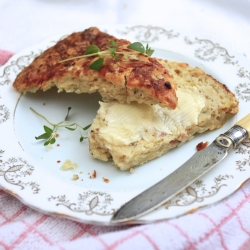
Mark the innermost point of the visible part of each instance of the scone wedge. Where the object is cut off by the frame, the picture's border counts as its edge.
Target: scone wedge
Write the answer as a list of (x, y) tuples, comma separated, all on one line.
[(130, 77), (131, 135)]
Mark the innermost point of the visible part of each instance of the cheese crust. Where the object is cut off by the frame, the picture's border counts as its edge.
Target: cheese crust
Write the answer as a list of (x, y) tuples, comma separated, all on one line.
[(133, 77)]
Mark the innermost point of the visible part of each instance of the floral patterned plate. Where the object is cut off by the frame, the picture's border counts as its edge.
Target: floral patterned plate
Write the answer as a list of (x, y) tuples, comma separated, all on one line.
[(31, 171)]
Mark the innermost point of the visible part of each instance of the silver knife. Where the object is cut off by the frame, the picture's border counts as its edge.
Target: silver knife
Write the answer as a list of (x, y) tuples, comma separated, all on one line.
[(199, 164)]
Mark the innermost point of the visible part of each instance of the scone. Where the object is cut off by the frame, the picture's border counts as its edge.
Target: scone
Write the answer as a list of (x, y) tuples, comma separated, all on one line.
[(133, 134), (133, 77)]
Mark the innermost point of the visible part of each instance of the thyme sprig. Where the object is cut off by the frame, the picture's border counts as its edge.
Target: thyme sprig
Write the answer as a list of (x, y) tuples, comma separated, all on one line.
[(93, 50), (51, 133)]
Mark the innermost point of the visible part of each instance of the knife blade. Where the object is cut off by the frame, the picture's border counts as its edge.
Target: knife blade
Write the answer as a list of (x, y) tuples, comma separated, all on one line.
[(199, 164)]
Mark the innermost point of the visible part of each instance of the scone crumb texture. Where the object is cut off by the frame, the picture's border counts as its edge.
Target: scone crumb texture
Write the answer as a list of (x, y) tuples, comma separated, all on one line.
[(202, 145), (105, 179), (68, 165), (93, 176), (75, 177)]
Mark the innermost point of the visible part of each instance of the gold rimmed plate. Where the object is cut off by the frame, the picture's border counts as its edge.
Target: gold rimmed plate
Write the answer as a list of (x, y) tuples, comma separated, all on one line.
[(32, 172)]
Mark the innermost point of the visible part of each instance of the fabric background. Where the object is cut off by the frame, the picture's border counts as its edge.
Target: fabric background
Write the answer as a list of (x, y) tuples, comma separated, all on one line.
[(224, 225)]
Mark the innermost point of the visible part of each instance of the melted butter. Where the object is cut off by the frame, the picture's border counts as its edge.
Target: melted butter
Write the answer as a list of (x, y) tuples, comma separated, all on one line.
[(127, 123)]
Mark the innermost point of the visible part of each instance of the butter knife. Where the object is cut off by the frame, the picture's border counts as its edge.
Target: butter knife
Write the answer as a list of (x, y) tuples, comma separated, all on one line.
[(199, 164)]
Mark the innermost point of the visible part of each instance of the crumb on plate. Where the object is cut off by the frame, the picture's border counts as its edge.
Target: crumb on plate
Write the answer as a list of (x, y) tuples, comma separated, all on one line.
[(105, 179), (68, 165), (93, 176), (75, 177), (201, 145)]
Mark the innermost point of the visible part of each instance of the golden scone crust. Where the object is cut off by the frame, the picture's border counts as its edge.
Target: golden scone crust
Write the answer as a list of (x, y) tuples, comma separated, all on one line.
[(133, 77)]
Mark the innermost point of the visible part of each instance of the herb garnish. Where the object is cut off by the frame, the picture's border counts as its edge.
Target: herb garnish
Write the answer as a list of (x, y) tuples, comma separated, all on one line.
[(50, 133), (139, 47), (97, 64), (93, 50)]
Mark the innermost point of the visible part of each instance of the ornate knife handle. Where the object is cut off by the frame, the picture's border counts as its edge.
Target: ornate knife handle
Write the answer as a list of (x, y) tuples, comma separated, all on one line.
[(235, 135)]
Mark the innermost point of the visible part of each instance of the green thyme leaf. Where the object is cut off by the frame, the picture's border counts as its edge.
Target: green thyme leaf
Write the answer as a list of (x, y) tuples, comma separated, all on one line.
[(113, 43), (97, 64), (87, 127), (92, 49), (48, 130), (66, 117), (52, 141), (149, 51), (72, 129), (50, 134), (113, 49), (82, 138), (46, 143), (43, 136), (137, 46)]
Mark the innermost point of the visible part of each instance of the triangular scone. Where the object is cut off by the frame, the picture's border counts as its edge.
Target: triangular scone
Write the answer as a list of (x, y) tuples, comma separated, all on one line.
[(133, 134), (133, 77)]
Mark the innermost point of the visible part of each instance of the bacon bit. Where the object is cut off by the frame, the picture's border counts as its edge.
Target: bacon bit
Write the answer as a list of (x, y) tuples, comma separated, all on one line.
[(57, 145), (75, 177), (105, 179), (93, 176), (58, 161), (57, 135), (201, 145)]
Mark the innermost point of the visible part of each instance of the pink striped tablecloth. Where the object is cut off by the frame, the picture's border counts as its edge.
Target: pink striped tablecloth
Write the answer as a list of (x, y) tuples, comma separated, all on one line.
[(224, 225)]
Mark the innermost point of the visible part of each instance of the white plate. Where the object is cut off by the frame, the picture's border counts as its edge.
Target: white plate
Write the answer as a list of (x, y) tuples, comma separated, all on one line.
[(32, 173)]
